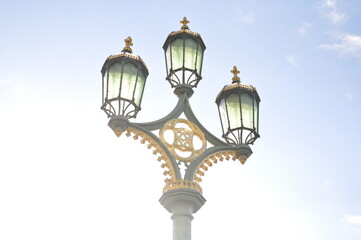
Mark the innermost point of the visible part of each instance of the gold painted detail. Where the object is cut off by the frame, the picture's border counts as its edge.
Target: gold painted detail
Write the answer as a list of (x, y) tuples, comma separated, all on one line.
[(235, 72), (179, 136), (157, 150), (182, 184), (213, 159), (185, 31), (128, 43), (185, 22), (124, 54), (236, 85)]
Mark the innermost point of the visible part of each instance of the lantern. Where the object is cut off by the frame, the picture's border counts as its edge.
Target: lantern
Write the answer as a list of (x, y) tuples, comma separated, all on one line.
[(184, 51), (238, 106), (124, 77)]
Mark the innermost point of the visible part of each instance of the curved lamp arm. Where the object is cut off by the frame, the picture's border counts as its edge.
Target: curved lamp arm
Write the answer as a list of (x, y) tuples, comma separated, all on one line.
[(176, 112), (212, 155), (158, 145), (209, 136), (195, 169)]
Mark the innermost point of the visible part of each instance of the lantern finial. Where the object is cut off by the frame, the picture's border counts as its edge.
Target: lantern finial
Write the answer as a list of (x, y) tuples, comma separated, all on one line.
[(185, 22), (128, 43), (235, 78)]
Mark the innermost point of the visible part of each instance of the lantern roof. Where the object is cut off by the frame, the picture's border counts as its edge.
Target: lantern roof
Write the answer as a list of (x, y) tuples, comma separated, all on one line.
[(126, 53), (236, 85), (184, 31)]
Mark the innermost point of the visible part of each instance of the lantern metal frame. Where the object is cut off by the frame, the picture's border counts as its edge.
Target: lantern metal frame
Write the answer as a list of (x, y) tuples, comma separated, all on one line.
[(124, 105), (194, 75), (237, 135)]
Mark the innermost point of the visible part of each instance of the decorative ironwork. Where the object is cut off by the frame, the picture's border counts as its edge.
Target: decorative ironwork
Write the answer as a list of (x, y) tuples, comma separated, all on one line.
[(157, 150), (137, 58), (235, 86), (213, 159), (128, 43), (186, 31), (184, 133), (235, 72), (181, 144), (185, 22), (182, 184)]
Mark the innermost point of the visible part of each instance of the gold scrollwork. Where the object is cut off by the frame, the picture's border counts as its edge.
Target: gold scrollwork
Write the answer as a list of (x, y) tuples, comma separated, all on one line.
[(213, 159), (181, 144)]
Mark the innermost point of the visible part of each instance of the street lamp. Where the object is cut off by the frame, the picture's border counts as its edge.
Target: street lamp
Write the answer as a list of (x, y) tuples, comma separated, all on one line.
[(175, 141)]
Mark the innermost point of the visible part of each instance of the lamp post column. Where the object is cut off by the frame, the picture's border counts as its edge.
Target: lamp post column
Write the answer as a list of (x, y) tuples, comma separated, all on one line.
[(182, 203)]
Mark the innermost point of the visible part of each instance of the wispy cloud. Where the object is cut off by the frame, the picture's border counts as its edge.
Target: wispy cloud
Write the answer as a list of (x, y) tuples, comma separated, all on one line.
[(248, 17), (332, 12), (291, 59), (329, 3), (336, 16), (354, 221), (348, 45), (303, 28)]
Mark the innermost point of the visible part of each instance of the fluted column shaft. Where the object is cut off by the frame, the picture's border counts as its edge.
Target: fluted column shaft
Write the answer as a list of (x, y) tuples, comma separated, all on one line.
[(182, 203)]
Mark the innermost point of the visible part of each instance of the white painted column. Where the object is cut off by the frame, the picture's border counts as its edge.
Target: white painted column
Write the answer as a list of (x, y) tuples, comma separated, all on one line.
[(182, 203)]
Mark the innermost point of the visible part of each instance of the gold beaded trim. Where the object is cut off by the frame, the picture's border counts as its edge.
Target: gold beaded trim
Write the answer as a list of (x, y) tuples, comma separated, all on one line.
[(182, 184), (157, 150), (127, 55), (213, 159)]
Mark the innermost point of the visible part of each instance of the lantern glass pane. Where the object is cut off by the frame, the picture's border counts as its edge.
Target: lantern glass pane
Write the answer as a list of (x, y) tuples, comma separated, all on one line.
[(247, 110), (168, 58), (223, 115), (190, 53), (128, 81), (177, 53), (139, 88), (114, 80), (233, 110), (256, 116), (199, 59), (105, 83)]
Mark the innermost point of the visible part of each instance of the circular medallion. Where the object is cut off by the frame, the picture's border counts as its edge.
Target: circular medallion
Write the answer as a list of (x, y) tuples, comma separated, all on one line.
[(183, 139)]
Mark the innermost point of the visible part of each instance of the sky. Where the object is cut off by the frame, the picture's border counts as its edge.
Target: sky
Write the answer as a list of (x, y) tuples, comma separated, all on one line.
[(65, 175)]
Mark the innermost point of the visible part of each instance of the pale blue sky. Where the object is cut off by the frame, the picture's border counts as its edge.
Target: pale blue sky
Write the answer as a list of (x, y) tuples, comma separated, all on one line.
[(64, 175)]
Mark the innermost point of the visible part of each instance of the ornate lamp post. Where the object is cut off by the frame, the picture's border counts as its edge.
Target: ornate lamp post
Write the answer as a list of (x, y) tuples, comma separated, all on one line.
[(180, 141)]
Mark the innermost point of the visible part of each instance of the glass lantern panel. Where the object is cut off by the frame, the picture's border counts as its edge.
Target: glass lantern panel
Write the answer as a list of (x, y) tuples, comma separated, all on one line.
[(168, 58), (177, 53), (199, 59), (139, 88), (234, 111), (105, 84), (190, 53), (247, 110), (128, 81), (256, 116), (114, 80), (223, 115)]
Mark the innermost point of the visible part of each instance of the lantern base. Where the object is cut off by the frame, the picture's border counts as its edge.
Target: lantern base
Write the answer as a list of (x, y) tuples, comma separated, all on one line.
[(118, 124), (180, 89)]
